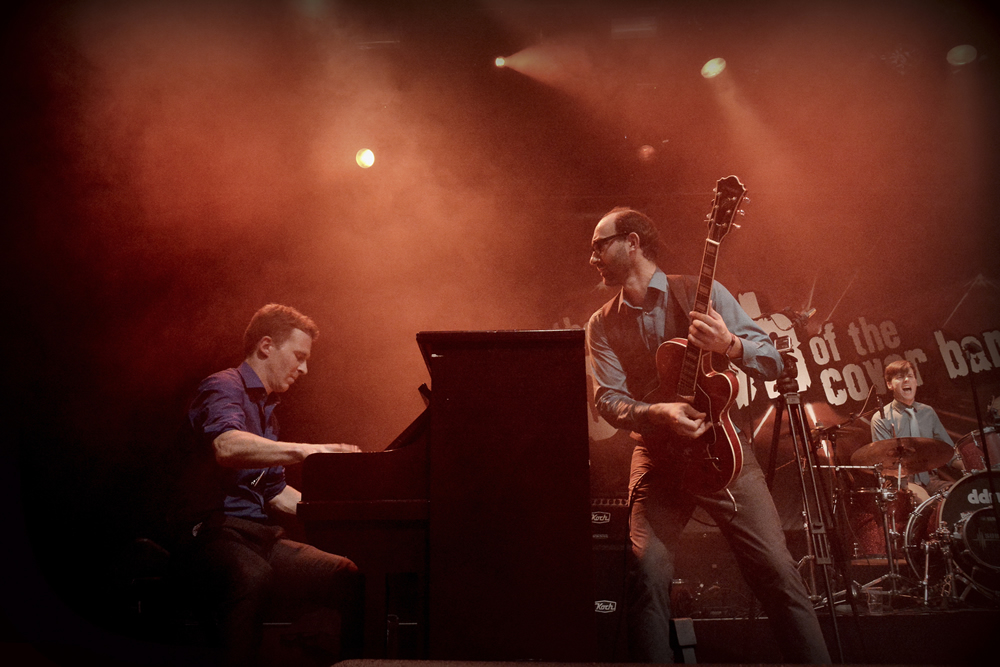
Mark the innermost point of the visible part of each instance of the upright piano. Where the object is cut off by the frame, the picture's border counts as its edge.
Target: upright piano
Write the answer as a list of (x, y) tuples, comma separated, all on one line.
[(473, 526)]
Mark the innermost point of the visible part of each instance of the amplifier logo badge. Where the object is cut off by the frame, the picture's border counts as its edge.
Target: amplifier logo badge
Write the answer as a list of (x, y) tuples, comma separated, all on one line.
[(605, 606), (600, 517)]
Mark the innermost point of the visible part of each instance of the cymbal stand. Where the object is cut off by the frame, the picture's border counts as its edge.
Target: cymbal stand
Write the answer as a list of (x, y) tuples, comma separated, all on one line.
[(791, 401), (882, 499), (935, 541)]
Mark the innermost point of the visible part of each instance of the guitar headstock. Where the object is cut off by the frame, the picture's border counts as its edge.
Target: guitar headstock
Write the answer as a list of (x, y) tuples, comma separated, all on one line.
[(729, 194)]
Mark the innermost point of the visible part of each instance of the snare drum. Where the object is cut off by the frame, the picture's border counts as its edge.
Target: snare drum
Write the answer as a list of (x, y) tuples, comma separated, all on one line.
[(962, 519), (970, 448)]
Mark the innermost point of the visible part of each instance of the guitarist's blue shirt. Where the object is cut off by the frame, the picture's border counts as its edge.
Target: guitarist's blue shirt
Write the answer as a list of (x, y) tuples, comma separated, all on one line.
[(622, 339)]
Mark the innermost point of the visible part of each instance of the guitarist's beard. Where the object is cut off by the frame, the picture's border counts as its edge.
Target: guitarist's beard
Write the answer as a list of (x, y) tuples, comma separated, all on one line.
[(610, 278)]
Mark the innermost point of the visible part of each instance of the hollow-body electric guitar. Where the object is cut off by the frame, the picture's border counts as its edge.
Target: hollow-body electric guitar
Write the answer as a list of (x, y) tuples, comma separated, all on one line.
[(686, 374)]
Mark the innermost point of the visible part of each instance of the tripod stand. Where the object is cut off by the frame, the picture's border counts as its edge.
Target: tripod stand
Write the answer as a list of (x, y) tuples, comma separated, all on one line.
[(819, 537)]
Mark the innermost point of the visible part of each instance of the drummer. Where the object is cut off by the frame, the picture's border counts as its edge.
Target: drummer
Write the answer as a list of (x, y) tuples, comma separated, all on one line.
[(905, 418)]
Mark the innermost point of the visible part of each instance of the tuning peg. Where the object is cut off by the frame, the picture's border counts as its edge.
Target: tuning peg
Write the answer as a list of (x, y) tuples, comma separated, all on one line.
[(746, 200), (741, 212), (736, 226)]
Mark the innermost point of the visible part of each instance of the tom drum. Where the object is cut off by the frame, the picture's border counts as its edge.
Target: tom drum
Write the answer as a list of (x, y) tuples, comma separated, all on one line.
[(970, 448)]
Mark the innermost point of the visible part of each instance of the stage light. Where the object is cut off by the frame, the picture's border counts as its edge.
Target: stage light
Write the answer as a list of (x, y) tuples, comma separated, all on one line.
[(501, 61), (365, 158), (962, 55), (713, 68)]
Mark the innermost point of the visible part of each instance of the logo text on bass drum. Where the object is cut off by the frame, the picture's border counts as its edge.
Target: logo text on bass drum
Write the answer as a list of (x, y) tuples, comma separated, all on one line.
[(980, 497)]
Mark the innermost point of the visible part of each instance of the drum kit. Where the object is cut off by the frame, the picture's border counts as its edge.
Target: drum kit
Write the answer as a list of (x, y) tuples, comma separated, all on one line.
[(940, 550)]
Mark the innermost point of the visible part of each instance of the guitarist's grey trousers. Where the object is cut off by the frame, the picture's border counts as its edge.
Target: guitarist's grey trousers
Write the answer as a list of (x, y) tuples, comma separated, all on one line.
[(660, 510)]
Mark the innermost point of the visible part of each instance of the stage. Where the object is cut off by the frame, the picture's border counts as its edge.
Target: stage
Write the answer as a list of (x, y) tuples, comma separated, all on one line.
[(906, 637), (729, 625)]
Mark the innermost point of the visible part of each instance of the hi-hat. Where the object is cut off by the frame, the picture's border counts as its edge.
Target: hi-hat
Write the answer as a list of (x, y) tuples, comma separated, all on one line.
[(915, 455)]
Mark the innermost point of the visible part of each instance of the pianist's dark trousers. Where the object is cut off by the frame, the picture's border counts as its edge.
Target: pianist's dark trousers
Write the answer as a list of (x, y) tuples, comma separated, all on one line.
[(240, 572)]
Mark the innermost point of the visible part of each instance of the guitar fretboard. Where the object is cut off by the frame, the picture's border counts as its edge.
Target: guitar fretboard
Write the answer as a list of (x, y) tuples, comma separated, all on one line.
[(688, 380)]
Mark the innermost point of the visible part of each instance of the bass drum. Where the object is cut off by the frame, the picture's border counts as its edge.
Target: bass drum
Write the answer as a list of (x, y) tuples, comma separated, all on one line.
[(962, 520)]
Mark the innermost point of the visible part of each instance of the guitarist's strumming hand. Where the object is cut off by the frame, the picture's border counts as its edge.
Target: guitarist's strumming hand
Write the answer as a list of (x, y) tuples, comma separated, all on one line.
[(709, 332), (682, 418)]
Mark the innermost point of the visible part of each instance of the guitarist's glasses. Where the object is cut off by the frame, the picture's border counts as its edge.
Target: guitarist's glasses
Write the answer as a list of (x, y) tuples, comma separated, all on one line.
[(600, 245)]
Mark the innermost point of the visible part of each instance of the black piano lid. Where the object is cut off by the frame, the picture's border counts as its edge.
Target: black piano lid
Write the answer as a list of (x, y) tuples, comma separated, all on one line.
[(433, 343)]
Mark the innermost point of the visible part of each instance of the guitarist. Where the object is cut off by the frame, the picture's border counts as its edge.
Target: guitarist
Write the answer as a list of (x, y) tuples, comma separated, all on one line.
[(622, 339)]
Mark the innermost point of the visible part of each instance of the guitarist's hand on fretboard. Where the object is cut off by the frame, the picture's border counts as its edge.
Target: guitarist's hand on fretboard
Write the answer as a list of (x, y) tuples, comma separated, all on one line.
[(709, 332), (682, 418)]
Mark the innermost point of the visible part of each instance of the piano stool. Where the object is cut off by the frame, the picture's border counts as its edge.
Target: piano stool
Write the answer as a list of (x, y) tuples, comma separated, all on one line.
[(156, 614)]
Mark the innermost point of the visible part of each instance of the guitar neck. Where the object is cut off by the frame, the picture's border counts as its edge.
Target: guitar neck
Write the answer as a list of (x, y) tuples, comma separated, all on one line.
[(729, 192), (688, 379)]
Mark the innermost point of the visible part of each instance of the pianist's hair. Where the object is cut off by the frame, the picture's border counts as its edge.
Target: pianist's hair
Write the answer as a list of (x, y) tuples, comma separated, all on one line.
[(630, 221), (278, 322)]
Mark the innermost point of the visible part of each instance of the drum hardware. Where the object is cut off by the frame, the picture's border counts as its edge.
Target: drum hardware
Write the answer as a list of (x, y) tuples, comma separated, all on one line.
[(951, 543), (884, 500), (970, 347), (897, 458), (936, 542)]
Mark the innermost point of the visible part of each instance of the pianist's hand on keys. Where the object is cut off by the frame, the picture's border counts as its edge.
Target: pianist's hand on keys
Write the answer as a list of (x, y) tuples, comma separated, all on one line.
[(336, 448)]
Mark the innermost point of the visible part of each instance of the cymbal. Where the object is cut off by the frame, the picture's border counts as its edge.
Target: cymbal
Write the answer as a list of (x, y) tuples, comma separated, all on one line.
[(915, 455)]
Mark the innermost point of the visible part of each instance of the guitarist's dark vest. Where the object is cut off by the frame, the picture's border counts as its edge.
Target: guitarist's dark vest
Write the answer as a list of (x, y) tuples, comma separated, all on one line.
[(639, 362)]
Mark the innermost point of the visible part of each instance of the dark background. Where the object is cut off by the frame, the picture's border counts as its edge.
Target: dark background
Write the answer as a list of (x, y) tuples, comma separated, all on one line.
[(169, 167)]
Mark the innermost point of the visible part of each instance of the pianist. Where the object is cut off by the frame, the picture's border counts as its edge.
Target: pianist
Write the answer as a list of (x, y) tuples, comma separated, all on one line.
[(238, 561)]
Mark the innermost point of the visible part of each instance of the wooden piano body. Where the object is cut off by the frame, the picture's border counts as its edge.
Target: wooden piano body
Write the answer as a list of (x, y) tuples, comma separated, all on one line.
[(473, 527)]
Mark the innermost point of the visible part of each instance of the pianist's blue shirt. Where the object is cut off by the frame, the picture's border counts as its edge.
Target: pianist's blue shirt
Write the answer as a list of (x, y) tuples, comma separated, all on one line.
[(236, 399)]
